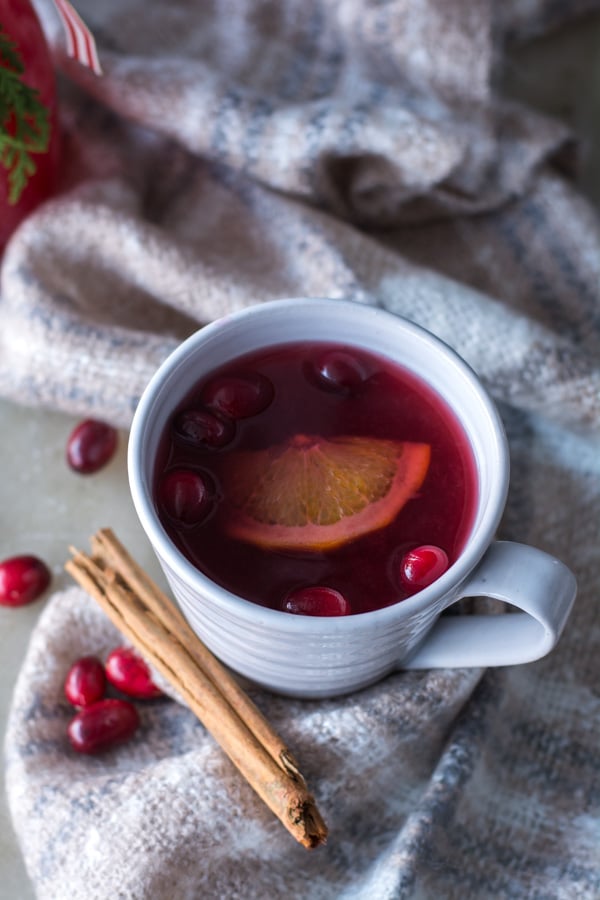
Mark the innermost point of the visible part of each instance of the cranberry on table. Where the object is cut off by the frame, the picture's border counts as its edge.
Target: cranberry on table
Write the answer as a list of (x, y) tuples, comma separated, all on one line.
[(103, 725), (200, 427), (185, 496), (238, 396), (316, 601), (423, 565), (22, 580), (85, 682), (91, 445), (129, 673)]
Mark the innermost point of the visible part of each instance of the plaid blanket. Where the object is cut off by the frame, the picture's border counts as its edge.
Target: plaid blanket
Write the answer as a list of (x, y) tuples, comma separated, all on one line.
[(242, 151)]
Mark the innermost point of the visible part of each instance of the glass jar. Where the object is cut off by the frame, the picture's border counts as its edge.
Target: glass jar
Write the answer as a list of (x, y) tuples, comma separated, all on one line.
[(29, 132)]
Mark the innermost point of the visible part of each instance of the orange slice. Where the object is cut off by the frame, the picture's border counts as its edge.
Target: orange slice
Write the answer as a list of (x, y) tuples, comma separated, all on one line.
[(313, 493)]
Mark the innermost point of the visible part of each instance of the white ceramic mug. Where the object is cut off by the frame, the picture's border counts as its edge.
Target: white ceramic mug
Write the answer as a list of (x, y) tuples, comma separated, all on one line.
[(324, 656)]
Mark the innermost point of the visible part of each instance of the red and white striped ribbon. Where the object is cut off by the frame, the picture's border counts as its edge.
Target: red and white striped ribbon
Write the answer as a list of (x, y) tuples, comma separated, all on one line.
[(80, 40)]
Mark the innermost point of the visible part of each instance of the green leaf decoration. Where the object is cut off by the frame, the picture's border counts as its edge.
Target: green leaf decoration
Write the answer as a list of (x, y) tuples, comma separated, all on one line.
[(25, 121)]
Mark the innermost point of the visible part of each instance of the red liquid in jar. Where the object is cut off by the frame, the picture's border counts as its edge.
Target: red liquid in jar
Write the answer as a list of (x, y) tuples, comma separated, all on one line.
[(29, 64), (314, 388)]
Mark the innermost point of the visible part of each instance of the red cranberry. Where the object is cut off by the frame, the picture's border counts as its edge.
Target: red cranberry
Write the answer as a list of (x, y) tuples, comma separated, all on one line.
[(238, 396), (423, 565), (185, 496), (90, 446), (129, 673), (22, 580), (338, 371), (316, 601), (85, 682), (102, 725), (203, 428)]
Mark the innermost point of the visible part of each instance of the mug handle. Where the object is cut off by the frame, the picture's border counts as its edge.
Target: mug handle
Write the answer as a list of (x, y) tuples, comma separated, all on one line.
[(539, 585)]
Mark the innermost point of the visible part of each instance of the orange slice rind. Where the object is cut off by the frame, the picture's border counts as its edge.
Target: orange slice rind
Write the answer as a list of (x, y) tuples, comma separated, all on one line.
[(314, 493)]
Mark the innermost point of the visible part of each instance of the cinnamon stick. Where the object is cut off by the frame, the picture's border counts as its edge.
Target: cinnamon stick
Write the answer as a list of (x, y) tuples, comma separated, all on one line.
[(151, 622), (105, 546)]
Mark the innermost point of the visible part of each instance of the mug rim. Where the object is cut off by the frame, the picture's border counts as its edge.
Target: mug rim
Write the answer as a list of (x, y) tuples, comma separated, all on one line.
[(446, 585)]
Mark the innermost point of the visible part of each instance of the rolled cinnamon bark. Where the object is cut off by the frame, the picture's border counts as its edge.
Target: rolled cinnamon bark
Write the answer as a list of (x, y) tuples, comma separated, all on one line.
[(149, 620)]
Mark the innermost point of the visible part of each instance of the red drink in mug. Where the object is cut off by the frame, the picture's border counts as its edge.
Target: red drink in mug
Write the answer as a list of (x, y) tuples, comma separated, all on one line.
[(320, 481), (316, 478)]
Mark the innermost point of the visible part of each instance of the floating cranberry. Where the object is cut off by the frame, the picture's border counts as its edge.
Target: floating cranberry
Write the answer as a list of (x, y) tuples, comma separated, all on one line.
[(129, 673), (423, 565), (238, 396), (22, 580), (102, 725), (85, 682), (91, 446), (338, 371), (200, 427), (316, 601), (185, 496)]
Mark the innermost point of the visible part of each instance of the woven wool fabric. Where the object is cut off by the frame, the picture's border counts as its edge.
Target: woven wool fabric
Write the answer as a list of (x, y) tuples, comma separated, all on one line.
[(238, 152)]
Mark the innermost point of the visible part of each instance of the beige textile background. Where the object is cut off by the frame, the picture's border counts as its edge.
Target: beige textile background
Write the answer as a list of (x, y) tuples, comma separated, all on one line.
[(237, 152)]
